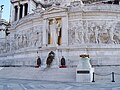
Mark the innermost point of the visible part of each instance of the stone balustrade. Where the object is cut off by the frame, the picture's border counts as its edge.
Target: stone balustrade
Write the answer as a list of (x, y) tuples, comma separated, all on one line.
[(102, 7), (96, 7)]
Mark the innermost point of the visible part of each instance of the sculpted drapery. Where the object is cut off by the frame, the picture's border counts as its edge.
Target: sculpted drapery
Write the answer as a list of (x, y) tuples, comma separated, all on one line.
[(54, 30)]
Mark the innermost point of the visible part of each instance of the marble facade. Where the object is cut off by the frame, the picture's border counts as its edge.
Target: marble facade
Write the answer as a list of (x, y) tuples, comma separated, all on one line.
[(85, 28)]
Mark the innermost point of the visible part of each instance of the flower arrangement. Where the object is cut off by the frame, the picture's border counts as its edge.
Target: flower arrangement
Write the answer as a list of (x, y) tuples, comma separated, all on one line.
[(84, 55)]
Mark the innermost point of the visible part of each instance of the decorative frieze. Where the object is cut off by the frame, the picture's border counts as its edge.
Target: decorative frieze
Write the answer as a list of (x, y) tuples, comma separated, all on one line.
[(90, 31), (30, 37)]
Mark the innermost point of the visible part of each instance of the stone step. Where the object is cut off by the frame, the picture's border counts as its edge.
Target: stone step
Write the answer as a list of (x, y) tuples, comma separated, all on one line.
[(53, 74)]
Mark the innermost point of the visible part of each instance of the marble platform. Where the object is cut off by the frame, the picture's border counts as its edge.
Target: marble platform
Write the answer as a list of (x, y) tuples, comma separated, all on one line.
[(20, 84)]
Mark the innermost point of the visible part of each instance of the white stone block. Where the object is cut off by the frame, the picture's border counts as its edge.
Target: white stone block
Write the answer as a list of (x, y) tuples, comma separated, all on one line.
[(84, 72)]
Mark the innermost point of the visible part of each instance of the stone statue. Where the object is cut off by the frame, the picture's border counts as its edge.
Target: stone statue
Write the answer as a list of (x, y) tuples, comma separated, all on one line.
[(1, 7), (54, 32), (58, 29)]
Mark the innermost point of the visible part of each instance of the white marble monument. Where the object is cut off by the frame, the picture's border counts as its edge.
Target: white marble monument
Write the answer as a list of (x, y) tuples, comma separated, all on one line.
[(66, 27)]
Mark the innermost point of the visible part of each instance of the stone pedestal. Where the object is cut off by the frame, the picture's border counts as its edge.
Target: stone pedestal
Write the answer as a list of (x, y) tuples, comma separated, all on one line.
[(84, 70)]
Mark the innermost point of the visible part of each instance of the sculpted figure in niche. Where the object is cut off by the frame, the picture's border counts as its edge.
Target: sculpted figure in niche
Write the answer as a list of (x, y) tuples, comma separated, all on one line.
[(54, 32), (59, 28)]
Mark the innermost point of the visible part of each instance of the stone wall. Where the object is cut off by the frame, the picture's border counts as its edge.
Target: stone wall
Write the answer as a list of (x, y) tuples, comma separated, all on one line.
[(91, 29)]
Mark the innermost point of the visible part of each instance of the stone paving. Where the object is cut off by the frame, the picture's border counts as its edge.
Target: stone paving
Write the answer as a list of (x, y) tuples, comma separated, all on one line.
[(19, 84)]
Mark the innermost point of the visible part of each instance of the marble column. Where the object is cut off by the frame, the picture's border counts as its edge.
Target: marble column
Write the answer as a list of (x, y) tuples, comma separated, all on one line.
[(65, 31), (44, 32), (23, 12), (18, 12), (29, 4), (15, 13)]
